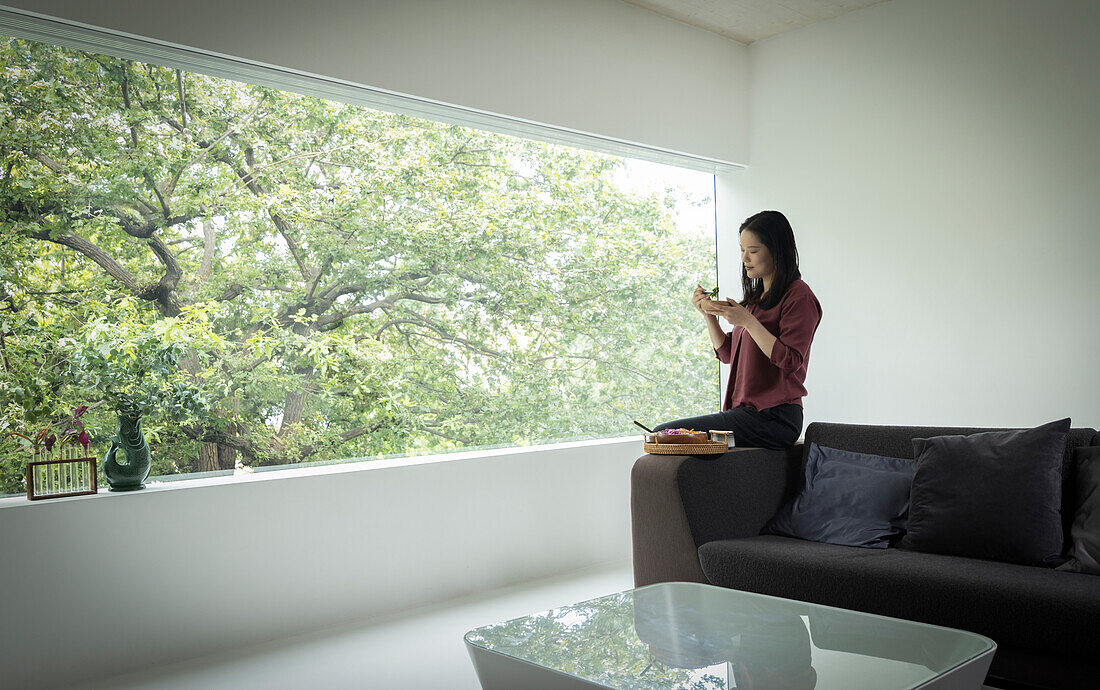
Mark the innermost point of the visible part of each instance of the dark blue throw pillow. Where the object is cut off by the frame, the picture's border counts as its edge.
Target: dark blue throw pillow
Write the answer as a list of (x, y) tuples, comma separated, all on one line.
[(995, 495), (853, 499)]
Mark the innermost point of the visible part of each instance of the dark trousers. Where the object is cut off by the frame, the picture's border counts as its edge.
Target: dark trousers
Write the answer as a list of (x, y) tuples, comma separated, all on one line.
[(776, 427)]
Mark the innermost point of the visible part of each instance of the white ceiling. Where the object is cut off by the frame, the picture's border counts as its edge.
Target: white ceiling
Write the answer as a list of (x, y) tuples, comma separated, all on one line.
[(751, 20)]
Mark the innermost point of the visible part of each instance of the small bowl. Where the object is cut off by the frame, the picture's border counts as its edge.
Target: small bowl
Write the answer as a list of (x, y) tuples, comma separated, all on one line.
[(697, 437)]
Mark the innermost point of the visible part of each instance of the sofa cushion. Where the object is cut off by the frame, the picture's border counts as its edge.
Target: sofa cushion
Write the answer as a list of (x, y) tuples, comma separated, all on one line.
[(1017, 605), (855, 499), (1084, 551), (993, 495), (897, 442)]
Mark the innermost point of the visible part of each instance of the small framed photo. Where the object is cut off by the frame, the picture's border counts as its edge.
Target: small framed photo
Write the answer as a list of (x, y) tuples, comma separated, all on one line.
[(61, 477)]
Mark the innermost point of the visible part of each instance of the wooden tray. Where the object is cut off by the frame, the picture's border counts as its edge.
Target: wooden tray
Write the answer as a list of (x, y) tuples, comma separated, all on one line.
[(718, 444)]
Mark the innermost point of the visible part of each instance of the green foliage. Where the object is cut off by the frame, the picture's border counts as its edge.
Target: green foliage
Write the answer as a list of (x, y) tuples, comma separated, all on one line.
[(275, 278), (133, 361), (601, 641)]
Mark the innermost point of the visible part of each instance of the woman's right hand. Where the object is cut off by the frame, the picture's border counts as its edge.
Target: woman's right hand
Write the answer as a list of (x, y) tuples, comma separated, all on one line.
[(700, 298)]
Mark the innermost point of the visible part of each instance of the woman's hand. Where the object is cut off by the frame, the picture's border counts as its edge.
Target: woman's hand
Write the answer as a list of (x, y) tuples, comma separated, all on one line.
[(729, 310), (700, 298)]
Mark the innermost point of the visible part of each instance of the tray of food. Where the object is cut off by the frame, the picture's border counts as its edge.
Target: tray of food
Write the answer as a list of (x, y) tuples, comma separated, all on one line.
[(687, 442)]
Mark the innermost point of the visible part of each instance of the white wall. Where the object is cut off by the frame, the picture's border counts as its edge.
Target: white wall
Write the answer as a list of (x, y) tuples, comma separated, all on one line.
[(940, 163), (596, 66), (102, 585)]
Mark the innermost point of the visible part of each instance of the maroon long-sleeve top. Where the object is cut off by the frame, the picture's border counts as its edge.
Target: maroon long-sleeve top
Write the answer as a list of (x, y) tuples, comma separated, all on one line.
[(759, 381)]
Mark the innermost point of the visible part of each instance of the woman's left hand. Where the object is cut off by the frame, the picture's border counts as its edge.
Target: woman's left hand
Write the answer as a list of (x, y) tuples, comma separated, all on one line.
[(729, 310)]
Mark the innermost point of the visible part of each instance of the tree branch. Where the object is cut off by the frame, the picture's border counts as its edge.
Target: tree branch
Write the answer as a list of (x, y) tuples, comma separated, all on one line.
[(446, 337), (172, 270), (179, 92), (597, 360), (466, 441), (93, 252), (344, 437), (156, 190), (317, 279), (208, 146), (207, 435), (142, 229), (281, 224), (208, 247), (332, 320), (126, 102), (231, 292), (51, 164), (312, 155)]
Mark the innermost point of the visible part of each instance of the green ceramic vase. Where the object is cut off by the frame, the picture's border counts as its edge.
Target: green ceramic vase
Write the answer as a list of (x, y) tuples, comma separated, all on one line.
[(128, 461)]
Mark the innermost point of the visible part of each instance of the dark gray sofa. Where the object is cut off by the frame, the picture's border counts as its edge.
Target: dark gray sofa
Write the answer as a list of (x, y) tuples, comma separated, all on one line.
[(698, 519)]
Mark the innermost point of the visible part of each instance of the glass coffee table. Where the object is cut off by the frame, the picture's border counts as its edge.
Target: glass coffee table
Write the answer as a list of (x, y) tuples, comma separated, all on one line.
[(701, 637)]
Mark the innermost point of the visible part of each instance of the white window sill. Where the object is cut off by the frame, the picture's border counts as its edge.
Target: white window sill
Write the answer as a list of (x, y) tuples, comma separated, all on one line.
[(366, 465)]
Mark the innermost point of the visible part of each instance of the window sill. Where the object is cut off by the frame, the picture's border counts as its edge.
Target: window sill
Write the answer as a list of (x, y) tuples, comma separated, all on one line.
[(366, 465)]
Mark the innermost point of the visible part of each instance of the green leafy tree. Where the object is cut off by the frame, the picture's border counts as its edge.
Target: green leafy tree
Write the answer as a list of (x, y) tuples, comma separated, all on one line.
[(280, 278)]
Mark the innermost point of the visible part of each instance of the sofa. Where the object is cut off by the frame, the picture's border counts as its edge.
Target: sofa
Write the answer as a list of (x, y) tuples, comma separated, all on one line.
[(699, 518)]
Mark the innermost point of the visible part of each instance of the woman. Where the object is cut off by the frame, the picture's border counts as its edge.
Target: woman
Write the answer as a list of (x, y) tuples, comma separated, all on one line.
[(769, 346)]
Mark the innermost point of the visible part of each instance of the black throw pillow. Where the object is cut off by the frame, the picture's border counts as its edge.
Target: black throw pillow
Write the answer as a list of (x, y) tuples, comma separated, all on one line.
[(1084, 554), (848, 498), (995, 495)]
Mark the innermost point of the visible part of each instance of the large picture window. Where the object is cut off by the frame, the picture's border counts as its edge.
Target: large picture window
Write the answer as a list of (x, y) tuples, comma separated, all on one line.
[(273, 278)]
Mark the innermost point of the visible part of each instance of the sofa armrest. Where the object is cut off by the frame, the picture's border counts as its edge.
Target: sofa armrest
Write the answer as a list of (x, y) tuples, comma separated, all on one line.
[(678, 503)]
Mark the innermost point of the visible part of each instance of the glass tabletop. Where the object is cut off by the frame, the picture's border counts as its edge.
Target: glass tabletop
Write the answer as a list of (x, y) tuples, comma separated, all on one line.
[(688, 635)]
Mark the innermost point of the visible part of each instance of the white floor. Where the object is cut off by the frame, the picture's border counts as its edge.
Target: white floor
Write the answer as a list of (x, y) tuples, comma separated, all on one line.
[(419, 650)]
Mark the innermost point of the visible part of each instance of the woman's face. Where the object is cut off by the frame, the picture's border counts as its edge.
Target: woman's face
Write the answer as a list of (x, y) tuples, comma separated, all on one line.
[(755, 256)]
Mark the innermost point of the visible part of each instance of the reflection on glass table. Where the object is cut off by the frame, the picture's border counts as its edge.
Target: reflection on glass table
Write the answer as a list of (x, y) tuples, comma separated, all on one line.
[(760, 643), (699, 637)]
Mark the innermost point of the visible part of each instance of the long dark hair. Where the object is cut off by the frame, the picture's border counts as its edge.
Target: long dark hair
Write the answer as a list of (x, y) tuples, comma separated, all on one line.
[(774, 231)]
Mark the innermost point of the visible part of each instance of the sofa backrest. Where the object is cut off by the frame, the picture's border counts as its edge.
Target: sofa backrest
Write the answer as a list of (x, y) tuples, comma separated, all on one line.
[(896, 442)]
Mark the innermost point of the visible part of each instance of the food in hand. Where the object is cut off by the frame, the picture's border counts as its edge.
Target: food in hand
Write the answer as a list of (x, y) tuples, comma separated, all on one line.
[(713, 292), (681, 436)]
